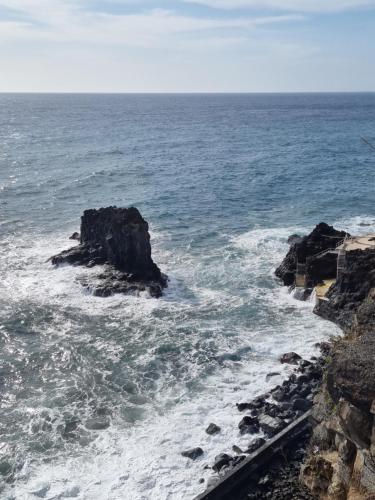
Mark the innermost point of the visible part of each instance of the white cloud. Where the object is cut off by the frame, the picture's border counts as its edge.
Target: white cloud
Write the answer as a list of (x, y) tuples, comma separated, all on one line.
[(60, 21), (289, 5)]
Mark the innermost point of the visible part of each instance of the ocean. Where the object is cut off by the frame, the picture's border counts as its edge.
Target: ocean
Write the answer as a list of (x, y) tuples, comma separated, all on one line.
[(223, 180)]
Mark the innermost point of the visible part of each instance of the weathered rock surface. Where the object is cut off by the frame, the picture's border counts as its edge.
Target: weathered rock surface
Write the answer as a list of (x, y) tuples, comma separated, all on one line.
[(352, 292), (119, 239), (340, 464), (305, 250)]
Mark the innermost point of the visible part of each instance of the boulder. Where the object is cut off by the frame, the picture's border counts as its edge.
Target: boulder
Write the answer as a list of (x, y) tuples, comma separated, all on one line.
[(291, 358), (213, 429), (119, 238), (222, 460), (192, 453), (248, 425)]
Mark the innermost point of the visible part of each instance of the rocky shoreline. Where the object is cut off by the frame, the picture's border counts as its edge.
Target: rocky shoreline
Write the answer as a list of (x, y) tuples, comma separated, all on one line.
[(336, 460), (267, 415)]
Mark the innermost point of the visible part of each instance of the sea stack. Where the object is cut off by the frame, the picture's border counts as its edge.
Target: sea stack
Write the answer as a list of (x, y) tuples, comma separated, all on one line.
[(117, 238)]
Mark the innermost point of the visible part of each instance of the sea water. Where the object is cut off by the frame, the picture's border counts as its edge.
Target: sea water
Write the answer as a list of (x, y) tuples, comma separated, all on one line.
[(223, 180)]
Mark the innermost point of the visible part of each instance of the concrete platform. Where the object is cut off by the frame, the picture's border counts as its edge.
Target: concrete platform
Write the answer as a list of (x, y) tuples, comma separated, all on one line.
[(358, 243)]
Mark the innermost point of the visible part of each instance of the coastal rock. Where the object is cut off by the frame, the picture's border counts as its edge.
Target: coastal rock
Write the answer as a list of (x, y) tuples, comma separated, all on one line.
[(213, 429), (75, 236), (248, 425), (118, 238), (221, 461), (323, 237), (352, 293), (291, 358), (192, 453)]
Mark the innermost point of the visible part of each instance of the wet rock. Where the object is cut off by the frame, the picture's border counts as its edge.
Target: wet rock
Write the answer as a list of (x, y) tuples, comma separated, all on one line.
[(291, 358), (119, 238), (280, 395), (249, 429), (213, 429), (221, 461), (243, 406), (75, 236), (192, 453), (248, 425)]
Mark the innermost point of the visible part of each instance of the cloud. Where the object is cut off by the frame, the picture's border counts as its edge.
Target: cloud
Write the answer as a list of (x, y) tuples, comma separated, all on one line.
[(61, 21), (288, 5)]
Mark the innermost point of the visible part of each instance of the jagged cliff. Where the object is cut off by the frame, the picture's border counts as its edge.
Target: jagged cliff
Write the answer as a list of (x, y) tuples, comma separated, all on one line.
[(340, 463), (312, 251), (341, 458)]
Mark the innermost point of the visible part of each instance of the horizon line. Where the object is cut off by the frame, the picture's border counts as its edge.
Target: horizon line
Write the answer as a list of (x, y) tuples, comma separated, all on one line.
[(131, 92)]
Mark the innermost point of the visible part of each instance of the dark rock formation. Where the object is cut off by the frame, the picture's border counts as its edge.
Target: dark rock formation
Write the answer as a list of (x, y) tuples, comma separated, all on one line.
[(192, 453), (213, 429), (290, 358), (341, 463), (350, 294), (304, 251), (118, 238), (221, 461)]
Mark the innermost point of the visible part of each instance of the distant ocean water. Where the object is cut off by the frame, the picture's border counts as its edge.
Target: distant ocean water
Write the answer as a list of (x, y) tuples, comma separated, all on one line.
[(223, 181)]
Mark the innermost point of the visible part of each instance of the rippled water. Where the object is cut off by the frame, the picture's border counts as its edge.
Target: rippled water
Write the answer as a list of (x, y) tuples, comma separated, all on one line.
[(223, 181)]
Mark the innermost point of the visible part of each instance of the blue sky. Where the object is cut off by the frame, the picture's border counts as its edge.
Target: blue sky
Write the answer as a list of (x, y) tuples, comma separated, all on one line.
[(187, 46)]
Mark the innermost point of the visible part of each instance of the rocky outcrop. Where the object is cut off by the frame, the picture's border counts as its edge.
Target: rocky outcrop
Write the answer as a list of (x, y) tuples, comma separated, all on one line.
[(117, 238), (340, 463), (305, 251), (351, 296), (341, 459)]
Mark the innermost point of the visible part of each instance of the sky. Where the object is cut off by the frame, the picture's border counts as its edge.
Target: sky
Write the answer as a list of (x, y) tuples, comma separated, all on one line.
[(187, 45)]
